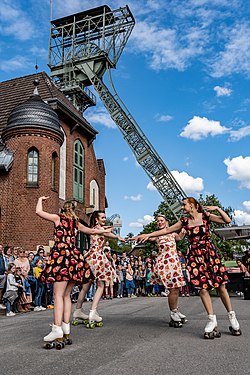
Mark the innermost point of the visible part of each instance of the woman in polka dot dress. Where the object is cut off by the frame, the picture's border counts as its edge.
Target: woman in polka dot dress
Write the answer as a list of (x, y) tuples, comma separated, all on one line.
[(99, 264), (167, 270), (204, 263)]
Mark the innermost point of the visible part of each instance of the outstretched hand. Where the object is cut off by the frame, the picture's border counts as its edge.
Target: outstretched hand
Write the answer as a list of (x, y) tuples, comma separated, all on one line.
[(121, 239), (140, 238)]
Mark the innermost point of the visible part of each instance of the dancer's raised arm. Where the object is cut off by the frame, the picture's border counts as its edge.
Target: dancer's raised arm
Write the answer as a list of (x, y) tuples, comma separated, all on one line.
[(145, 236), (222, 219), (46, 215)]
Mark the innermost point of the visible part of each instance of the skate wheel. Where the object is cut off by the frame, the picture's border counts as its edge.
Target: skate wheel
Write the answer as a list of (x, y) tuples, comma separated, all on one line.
[(184, 320), (99, 324), (68, 342), (90, 325), (60, 345), (75, 322), (235, 332), (85, 322), (175, 324), (217, 334), (48, 345), (209, 335)]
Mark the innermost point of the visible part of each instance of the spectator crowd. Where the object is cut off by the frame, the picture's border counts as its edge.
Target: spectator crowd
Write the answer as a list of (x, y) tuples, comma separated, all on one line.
[(21, 289)]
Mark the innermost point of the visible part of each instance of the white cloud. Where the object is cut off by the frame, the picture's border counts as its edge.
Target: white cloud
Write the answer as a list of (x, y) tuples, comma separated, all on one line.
[(125, 158), (140, 223), (101, 116), (236, 135), (189, 184), (163, 118), (151, 187), (16, 63), (238, 169), (200, 128), (246, 204), (39, 52), (241, 217), (134, 198), (15, 22), (165, 48), (222, 91), (235, 58)]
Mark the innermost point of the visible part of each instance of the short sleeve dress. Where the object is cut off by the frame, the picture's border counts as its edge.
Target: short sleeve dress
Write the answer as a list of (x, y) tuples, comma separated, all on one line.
[(204, 263), (96, 259), (65, 262), (167, 267)]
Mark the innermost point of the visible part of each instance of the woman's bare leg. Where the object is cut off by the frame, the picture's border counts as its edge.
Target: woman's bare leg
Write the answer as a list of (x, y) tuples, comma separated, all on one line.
[(98, 294), (207, 302)]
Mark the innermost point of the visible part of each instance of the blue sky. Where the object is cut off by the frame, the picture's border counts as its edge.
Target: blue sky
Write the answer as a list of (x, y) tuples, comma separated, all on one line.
[(184, 76)]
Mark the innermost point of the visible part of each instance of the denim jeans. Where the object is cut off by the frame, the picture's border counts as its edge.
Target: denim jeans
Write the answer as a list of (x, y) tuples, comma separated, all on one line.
[(39, 294), (91, 292), (120, 289), (8, 306), (130, 286)]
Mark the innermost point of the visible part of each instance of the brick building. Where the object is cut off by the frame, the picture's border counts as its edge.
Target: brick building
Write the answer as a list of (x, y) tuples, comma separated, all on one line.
[(46, 148)]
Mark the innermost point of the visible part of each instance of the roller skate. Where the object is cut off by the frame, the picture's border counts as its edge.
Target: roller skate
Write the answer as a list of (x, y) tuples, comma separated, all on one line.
[(175, 320), (66, 333), (54, 339), (182, 316), (79, 317), (234, 327), (211, 329), (94, 320)]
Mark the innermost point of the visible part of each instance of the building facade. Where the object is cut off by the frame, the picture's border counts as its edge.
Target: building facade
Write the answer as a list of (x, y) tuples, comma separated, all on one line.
[(46, 148)]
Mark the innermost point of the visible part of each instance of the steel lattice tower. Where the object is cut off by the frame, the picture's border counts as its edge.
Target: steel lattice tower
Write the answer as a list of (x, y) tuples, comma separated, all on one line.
[(83, 47)]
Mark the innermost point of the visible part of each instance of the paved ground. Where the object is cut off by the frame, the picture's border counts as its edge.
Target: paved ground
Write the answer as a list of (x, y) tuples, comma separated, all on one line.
[(135, 340)]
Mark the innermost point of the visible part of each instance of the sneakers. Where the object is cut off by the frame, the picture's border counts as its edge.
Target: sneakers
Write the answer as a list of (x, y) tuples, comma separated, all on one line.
[(2, 306), (10, 314), (50, 306), (37, 308), (42, 308)]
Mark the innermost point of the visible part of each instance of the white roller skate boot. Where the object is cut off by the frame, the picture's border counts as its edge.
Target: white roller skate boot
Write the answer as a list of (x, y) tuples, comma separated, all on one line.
[(79, 317), (94, 319), (66, 333), (55, 338), (175, 320), (182, 316), (211, 329), (234, 324)]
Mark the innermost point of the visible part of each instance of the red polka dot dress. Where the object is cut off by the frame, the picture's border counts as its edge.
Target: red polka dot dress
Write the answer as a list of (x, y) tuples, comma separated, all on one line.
[(99, 264), (167, 267)]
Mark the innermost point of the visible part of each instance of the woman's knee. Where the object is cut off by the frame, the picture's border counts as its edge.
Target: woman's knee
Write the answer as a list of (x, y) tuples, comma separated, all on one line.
[(174, 292)]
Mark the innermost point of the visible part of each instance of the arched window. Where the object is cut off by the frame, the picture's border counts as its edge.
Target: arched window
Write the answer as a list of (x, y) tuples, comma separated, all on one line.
[(94, 194), (32, 167), (78, 171), (54, 172)]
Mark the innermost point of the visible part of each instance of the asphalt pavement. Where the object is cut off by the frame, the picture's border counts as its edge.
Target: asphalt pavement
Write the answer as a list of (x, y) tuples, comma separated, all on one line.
[(135, 340)]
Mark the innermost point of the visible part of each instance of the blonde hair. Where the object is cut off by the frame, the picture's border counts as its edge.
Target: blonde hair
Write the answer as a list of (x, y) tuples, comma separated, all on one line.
[(69, 209), (161, 215)]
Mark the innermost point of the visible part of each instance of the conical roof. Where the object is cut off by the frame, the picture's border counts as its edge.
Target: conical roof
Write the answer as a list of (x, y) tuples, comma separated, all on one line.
[(33, 113)]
